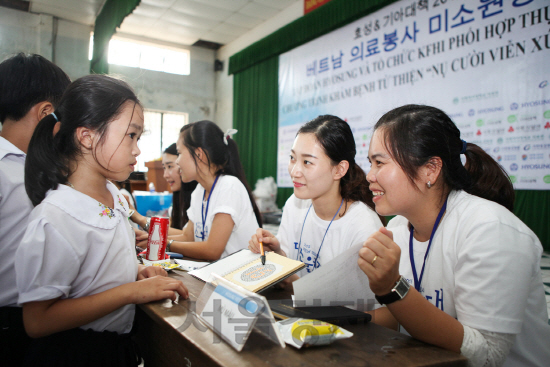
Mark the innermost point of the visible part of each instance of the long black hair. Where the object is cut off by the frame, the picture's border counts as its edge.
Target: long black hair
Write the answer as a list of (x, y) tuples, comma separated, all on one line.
[(336, 138), (92, 101), (208, 136), (413, 134), (181, 200)]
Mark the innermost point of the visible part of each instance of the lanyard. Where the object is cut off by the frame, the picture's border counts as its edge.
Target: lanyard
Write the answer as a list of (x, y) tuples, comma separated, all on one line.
[(203, 214), (418, 281), (318, 252)]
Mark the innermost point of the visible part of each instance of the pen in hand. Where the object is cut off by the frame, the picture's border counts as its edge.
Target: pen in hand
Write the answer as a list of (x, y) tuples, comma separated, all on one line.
[(262, 257)]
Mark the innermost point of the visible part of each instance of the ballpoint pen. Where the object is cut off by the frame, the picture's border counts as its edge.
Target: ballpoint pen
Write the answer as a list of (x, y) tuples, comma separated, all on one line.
[(262, 253)]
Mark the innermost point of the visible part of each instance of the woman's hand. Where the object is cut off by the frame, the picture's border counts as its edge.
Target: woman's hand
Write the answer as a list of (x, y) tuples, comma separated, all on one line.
[(141, 238), (150, 271), (379, 259), (269, 241), (158, 288)]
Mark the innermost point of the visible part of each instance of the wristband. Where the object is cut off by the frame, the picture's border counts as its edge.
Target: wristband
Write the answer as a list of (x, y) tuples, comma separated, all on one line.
[(168, 244), (146, 226)]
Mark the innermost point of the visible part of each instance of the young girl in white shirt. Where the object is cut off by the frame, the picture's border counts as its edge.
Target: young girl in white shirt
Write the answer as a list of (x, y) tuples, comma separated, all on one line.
[(455, 268), (331, 208), (223, 214), (76, 267)]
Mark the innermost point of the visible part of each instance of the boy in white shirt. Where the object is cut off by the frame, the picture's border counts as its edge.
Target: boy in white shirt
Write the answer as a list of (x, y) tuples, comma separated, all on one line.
[(30, 88)]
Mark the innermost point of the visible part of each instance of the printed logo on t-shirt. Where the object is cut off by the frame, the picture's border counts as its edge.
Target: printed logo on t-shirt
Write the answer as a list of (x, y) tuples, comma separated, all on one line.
[(199, 232), (436, 298), (308, 257)]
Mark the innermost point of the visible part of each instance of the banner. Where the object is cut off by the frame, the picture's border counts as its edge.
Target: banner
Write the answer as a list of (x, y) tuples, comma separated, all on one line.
[(485, 63)]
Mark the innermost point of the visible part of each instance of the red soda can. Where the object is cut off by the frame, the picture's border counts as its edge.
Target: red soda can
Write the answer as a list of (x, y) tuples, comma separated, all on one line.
[(158, 234)]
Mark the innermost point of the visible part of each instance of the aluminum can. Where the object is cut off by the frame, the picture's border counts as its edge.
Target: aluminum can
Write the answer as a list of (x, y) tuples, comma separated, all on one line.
[(158, 234)]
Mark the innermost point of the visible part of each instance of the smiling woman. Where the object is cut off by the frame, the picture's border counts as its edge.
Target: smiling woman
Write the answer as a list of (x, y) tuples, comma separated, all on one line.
[(331, 208), (181, 191), (455, 267)]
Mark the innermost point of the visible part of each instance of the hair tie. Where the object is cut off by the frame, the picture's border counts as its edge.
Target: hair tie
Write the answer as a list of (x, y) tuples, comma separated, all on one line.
[(228, 134), (54, 116), (464, 146)]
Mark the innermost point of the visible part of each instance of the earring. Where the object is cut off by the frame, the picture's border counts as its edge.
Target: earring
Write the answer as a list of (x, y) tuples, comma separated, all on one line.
[(429, 184)]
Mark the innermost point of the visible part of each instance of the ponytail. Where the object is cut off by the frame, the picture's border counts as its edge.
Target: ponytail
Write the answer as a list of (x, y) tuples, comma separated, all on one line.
[(92, 101), (221, 151), (488, 178), (413, 134), (44, 166), (355, 187)]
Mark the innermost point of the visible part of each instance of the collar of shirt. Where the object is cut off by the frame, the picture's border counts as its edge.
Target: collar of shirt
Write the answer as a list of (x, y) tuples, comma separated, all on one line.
[(7, 148), (88, 210)]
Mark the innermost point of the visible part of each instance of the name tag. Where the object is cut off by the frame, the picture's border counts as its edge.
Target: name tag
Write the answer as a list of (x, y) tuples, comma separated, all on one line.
[(233, 312)]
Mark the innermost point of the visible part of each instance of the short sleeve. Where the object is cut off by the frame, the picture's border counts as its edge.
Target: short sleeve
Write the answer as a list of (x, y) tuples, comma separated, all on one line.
[(493, 273), (45, 264), (232, 199)]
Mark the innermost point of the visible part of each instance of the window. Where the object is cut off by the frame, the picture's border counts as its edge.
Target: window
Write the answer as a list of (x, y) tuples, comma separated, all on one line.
[(161, 130), (146, 56)]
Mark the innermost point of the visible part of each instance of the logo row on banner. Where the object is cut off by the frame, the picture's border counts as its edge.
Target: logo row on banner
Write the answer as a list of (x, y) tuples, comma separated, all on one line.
[(483, 63)]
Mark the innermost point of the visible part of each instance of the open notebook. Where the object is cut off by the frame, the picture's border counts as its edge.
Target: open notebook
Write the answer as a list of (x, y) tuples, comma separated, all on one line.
[(245, 269)]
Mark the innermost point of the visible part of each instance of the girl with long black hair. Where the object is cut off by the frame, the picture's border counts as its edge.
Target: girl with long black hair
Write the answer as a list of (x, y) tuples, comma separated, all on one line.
[(223, 214), (76, 268)]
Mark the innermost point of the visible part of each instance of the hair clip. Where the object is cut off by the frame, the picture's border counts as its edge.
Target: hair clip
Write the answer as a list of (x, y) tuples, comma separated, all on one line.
[(228, 134)]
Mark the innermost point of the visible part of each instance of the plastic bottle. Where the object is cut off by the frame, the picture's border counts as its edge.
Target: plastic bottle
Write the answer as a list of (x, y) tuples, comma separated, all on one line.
[(151, 187)]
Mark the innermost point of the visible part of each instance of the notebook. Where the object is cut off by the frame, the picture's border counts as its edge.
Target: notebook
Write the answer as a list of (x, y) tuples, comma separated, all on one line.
[(245, 269), (338, 315)]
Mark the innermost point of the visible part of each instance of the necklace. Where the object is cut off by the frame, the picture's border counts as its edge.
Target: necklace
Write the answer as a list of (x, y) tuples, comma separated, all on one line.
[(315, 264)]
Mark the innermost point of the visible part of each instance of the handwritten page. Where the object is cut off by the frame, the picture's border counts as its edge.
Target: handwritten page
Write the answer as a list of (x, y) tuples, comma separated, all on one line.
[(339, 282)]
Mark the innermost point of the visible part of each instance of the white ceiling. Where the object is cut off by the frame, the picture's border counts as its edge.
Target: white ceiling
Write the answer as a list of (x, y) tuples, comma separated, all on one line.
[(177, 21)]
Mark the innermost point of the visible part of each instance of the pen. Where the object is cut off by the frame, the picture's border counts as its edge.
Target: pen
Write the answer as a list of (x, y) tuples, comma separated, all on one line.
[(262, 253)]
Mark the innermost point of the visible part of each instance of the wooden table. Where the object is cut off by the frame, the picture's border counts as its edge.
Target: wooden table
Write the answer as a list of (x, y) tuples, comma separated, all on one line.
[(169, 337)]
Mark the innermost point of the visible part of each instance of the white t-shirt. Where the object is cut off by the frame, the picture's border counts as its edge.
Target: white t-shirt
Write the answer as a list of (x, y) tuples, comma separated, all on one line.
[(357, 224), (74, 246), (483, 268), (230, 197), (15, 207)]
